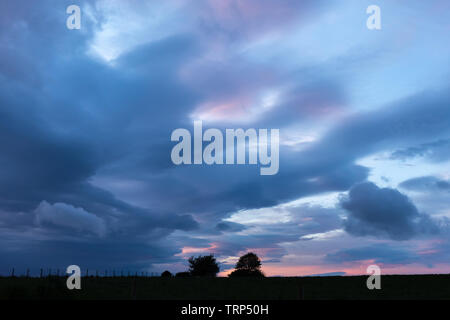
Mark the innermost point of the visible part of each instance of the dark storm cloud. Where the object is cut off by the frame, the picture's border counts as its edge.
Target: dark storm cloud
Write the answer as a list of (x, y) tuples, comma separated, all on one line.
[(230, 227), (32, 31), (383, 212), (57, 136), (427, 184), (67, 117)]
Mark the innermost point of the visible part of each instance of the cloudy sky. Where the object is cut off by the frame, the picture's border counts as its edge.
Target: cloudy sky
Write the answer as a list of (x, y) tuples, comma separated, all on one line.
[(86, 117)]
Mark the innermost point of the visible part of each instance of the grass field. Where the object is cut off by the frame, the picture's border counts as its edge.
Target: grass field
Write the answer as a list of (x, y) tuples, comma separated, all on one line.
[(393, 287)]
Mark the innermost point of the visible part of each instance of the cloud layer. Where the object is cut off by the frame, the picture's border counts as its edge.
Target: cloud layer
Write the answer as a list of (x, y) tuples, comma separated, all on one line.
[(86, 117), (384, 212)]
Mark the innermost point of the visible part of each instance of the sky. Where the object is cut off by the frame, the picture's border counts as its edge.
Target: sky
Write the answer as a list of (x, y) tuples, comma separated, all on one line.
[(86, 117)]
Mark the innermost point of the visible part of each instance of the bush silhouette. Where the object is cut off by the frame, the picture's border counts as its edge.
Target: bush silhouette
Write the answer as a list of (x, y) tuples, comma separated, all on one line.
[(183, 274), (246, 273), (203, 266), (166, 274), (249, 265)]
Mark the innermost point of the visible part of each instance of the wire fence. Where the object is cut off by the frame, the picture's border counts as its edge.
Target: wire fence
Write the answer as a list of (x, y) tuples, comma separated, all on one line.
[(49, 272)]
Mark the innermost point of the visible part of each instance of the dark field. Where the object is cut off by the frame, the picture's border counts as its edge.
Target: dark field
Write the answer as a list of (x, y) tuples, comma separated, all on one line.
[(393, 287)]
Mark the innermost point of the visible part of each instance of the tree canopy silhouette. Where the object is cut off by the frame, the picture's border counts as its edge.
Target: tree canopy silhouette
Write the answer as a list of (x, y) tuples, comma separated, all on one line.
[(203, 266), (166, 274), (249, 265)]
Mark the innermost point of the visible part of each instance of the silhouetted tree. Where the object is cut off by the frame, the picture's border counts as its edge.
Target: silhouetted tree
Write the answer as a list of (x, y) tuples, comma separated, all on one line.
[(249, 265), (203, 266), (166, 274), (249, 261)]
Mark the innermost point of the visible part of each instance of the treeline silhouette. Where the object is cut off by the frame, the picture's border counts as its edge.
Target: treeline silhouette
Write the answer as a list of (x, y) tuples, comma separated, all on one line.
[(249, 265)]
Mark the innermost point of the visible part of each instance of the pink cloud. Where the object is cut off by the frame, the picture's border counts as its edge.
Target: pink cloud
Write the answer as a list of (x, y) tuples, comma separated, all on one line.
[(198, 250), (229, 110)]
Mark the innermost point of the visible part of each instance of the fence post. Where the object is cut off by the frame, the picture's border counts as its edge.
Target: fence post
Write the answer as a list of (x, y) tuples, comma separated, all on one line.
[(42, 271), (28, 273), (12, 272), (133, 289), (301, 291)]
